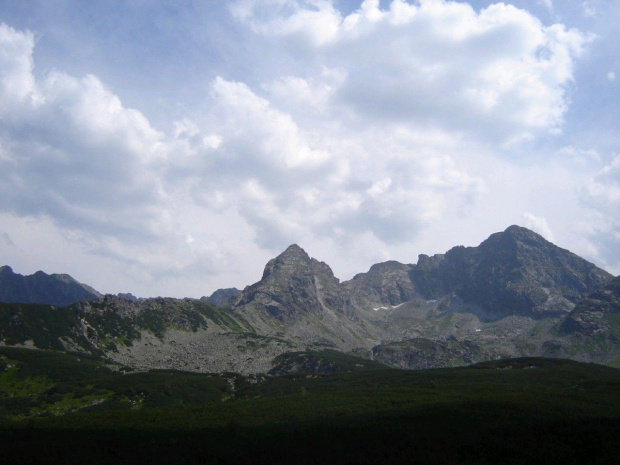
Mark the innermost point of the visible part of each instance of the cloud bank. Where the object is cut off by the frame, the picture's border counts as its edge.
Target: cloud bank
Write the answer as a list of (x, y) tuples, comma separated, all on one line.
[(498, 73), (383, 132)]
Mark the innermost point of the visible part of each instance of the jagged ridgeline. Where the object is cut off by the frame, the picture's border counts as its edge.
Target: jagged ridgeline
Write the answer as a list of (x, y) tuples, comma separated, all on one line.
[(40, 288), (515, 294)]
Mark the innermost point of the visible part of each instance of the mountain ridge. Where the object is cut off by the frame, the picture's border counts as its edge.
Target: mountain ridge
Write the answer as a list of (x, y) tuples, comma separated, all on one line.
[(40, 288), (515, 294), (515, 270)]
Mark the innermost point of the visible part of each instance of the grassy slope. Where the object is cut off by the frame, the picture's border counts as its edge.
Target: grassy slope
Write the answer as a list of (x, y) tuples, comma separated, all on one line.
[(525, 411), (324, 362), (47, 326)]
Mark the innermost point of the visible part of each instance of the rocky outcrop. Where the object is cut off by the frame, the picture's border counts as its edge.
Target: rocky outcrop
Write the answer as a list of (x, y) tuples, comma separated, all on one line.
[(385, 284), (222, 296), (127, 296), (294, 284), (299, 298), (598, 314), (421, 353)]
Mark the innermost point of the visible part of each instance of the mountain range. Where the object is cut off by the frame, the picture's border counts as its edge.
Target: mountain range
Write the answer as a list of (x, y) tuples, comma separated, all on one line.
[(516, 294), (41, 288)]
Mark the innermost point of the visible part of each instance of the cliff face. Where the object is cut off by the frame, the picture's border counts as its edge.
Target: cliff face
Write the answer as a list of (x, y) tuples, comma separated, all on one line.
[(222, 296), (515, 272), (598, 314), (299, 298), (385, 284), (293, 284)]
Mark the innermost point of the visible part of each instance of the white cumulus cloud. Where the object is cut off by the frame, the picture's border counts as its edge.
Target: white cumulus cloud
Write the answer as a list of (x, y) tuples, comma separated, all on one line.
[(539, 225), (399, 128), (289, 182), (70, 149), (499, 74), (602, 194)]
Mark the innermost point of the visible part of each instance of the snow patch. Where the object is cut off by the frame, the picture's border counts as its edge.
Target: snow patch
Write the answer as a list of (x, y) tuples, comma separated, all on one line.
[(376, 309)]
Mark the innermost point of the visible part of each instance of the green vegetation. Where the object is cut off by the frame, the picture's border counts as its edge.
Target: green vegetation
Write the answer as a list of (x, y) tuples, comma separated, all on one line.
[(33, 383), (156, 316), (64, 408), (102, 326), (14, 386), (40, 323), (324, 362), (218, 316)]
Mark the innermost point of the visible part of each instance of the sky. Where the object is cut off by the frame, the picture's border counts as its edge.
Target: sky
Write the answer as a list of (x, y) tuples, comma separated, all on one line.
[(173, 147)]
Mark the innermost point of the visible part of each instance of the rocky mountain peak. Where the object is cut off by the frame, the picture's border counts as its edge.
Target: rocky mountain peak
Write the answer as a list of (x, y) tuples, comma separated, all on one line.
[(386, 283), (521, 254), (294, 250), (293, 285), (520, 232), (512, 272), (292, 260), (514, 239), (390, 265)]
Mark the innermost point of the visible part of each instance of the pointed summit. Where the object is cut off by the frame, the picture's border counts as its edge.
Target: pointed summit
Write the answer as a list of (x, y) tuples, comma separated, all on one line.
[(294, 249), (300, 299), (519, 230), (515, 236), (523, 234), (292, 258), (293, 253), (293, 286)]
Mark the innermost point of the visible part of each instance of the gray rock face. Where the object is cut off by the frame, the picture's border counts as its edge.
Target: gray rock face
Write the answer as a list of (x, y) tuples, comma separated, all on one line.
[(151, 333), (522, 272), (222, 296), (515, 294), (40, 288), (597, 314), (516, 272), (387, 283), (420, 353), (299, 298), (294, 284)]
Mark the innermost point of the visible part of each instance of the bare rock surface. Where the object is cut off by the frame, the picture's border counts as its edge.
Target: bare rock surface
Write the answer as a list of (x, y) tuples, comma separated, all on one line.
[(516, 294)]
